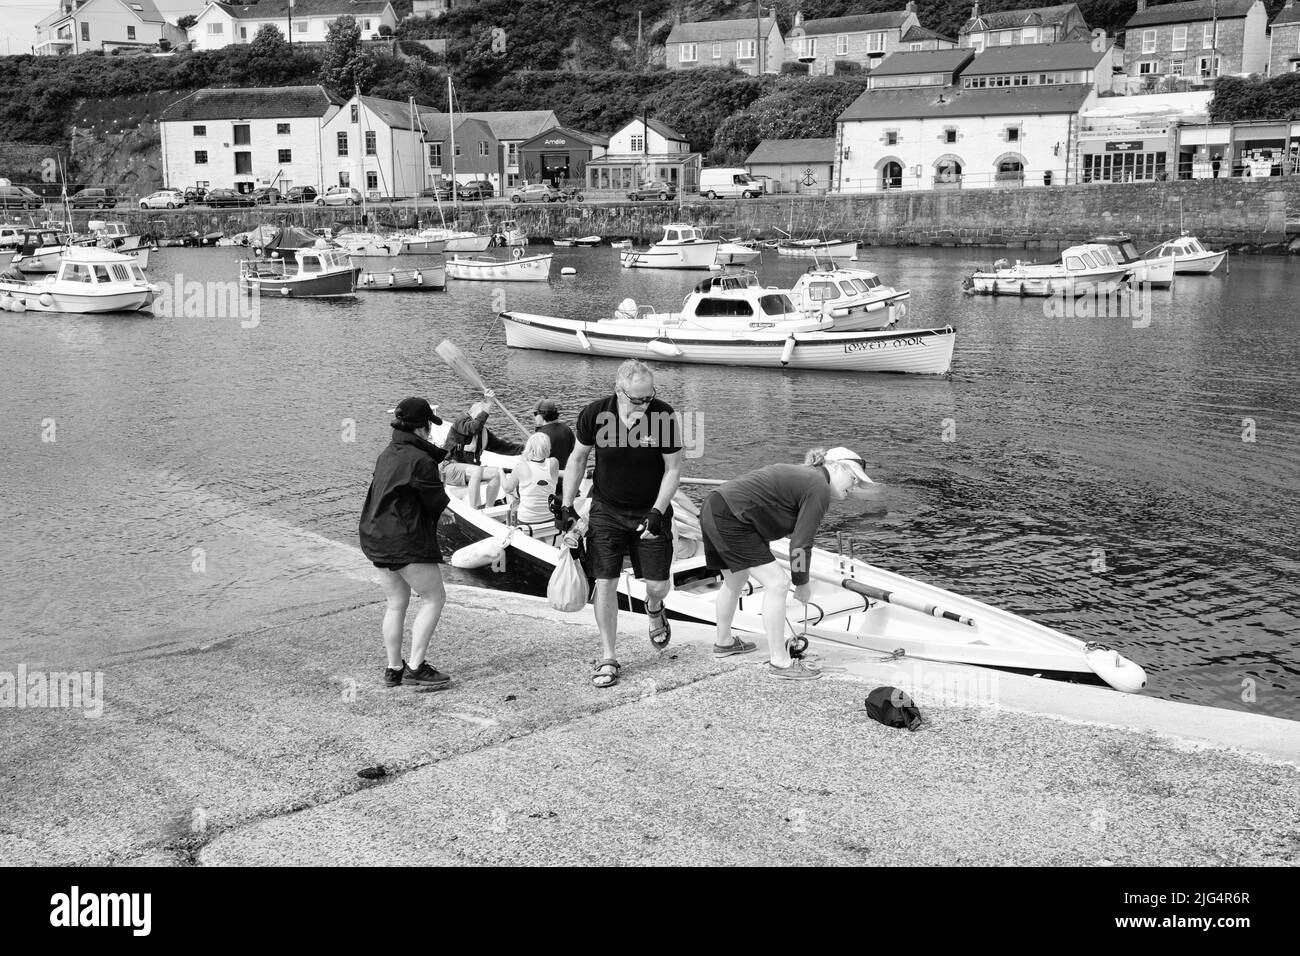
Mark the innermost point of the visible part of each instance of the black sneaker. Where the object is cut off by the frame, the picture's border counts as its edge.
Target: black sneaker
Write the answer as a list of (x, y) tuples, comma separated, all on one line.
[(393, 675), (426, 675)]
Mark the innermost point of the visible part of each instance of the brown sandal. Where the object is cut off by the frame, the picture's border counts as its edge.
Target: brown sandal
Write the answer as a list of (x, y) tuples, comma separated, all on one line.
[(602, 678)]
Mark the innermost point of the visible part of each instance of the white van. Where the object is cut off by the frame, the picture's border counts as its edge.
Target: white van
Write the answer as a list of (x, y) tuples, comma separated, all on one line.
[(728, 182)]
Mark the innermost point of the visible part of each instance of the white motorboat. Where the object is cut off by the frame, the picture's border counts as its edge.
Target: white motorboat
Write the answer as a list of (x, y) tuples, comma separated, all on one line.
[(853, 603), (368, 245), (1189, 255), (419, 243), (681, 247), (732, 252), (1156, 272), (621, 244), (87, 280), (850, 298), (313, 274), (11, 235), (510, 233), (519, 268), (769, 338), (115, 236), (39, 250), (820, 249), (438, 239), (1088, 268)]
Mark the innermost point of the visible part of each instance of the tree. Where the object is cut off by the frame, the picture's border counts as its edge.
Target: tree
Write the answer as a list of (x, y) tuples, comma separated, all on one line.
[(347, 64), (187, 21)]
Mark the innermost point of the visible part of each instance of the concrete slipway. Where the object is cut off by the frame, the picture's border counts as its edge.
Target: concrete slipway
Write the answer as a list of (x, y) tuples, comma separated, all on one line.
[(246, 751)]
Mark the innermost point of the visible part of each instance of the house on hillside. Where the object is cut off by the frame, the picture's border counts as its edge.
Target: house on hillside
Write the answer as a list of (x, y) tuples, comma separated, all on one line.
[(863, 40), (1284, 41), (305, 21), (751, 45), (1012, 27), (920, 39), (436, 8), (106, 25), (955, 138), (377, 146), (1042, 64), (642, 150), (937, 68), (246, 138), (794, 165), (1199, 40)]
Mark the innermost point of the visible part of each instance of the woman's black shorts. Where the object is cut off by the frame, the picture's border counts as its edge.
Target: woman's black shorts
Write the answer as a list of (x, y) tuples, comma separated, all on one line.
[(729, 542)]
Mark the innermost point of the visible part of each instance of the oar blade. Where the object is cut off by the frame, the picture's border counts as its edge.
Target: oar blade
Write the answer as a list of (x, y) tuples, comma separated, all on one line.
[(456, 360)]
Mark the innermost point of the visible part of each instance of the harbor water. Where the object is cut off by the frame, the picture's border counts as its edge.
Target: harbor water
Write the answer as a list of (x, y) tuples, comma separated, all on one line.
[(170, 480)]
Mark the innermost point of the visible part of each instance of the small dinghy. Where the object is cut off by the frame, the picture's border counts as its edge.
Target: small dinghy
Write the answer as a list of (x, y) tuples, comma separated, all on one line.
[(400, 280), (820, 249), (519, 268)]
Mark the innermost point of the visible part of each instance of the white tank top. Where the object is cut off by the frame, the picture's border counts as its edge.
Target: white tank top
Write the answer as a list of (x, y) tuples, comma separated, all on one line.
[(534, 491)]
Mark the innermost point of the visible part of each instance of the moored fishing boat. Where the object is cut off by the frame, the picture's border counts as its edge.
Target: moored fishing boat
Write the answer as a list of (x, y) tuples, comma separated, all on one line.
[(114, 235), (850, 298), (820, 249), (519, 268), (87, 279), (1085, 269), (680, 248), (398, 280), (852, 603), (38, 250), (1189, 255), (509, 233), (315, 273)]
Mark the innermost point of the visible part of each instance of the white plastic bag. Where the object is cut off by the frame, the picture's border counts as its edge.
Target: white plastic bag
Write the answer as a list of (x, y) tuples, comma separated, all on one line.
[(567, 589)]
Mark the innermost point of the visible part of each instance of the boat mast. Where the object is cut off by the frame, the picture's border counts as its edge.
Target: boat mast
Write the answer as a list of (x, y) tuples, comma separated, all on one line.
[(451, 126)]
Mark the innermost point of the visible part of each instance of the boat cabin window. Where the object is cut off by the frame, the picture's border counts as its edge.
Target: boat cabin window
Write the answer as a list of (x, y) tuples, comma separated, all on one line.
[(777, 304), (76, 272), (730, 308), (121, 273), (1089, 261), (1127, 251), (848, 288), (821, 291), (870, 282), (101, 274), (138, 273), (1074, 263), (1194, 246), (310, 262)]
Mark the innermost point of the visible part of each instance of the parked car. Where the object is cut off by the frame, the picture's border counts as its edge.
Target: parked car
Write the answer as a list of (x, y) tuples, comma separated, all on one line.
[(228, 197), (19, 197), (339, 196), (92, 197), (266, 195), (301, 194), (535, 192), (163, 199), (475, 189), (195, 194), (654, 189), (441, 192)]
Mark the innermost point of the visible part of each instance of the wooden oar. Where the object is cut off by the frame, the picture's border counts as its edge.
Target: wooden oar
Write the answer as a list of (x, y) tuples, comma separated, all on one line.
[(703, 481), (455, 358)]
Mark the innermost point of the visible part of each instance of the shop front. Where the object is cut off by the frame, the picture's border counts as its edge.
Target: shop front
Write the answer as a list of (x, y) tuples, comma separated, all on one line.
[(1261, 149), (560, 156), (1204, 152), (618, 174), (1119, 159)]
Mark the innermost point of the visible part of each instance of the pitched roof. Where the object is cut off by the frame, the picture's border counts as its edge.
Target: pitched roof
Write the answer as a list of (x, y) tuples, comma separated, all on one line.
[(1035, 56), (793, 151), (591, 139), (276, 9), (1288, 14), (890, 20), (915, 34), (1009, 19), (146, 10), (437, 127), (394, 113), (516, 124), (1191, 12), (252, 103), (923, 61), (704, 31), (937, 104), (666, 131)]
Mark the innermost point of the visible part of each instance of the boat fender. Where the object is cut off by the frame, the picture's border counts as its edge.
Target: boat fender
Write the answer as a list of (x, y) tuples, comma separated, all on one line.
[(284, 291), (583, 340), (480, 554), (900, 311), (626, 310), (392, 277), (1115, 669), (788, 351), (517, 253), (419, 277), (19, 306), (663, 347), (46, 300)]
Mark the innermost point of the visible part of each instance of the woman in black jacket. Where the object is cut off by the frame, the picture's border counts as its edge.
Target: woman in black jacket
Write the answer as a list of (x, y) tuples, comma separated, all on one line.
[(399, 534)]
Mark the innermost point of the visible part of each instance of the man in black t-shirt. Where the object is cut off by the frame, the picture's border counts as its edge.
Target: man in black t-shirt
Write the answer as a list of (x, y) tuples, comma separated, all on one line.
[(638, 445), (546, 420)]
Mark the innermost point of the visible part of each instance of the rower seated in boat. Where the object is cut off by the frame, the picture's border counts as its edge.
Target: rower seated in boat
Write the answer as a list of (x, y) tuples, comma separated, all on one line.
[(531, 484)]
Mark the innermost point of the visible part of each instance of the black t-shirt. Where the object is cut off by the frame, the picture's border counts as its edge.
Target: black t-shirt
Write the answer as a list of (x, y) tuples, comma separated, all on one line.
[(561, 436), (629, 461)]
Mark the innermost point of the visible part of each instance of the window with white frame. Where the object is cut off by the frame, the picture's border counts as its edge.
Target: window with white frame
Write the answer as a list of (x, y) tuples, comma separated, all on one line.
[(243, 33), (809, 47), (717, 51), (841, 45), (342, 141), (365, 24), (875, 43), (688, 53), (200, 131), (299, 26), (1148, 41), (1176, 66), (281, 129), (1147, 67), (638, 143), (201, 157), (371, 143), (130, 33), (913, 47), (1029, 35), (1207, 36), (482, 147), (745, 49), (1180, 38), (1004, 37), (512, 154), (1013, 134), (977, 43), (435, 155), (372, 180), (891, 137), (216, 29), (284, 155)]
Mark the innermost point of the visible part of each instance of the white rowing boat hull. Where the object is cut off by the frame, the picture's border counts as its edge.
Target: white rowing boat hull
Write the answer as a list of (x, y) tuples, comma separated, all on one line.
[(993, 638), (799, 249), (1200, 265), (1027, 283), (525, 269), (734, 254), (918, 351)]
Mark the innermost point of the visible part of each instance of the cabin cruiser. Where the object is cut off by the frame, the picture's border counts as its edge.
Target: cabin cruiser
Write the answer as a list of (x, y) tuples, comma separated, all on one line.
[(38, 251), (1080, 270), (682, 247), (313, 273), (1156, 272), (851, 298), (1189, 255), (86, 279)]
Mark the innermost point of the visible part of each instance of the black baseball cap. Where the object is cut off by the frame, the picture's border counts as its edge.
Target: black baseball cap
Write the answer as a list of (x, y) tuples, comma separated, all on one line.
[(547, 409), (416, 411)]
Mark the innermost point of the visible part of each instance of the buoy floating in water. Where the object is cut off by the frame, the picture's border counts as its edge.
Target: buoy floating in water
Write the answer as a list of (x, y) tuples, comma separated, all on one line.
[(568, 271)]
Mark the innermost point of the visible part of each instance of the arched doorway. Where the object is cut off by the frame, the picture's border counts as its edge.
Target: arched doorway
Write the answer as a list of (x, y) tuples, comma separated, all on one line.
[(891, 174), (947, 171)]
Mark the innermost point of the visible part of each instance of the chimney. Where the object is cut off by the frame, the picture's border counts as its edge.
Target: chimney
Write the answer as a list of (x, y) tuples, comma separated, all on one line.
[(911, 6), (1142, 5), (798, 18), (975, 11)]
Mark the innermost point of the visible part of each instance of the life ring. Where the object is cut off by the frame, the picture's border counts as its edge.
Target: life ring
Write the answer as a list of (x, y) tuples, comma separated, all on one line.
[(517, 252)]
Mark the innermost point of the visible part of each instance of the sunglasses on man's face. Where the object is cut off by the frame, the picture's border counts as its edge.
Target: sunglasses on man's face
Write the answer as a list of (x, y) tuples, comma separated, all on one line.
[(642, 400)]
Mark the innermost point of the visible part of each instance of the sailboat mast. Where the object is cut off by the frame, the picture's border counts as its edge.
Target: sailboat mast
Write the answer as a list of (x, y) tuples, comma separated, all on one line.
[(451, 125)]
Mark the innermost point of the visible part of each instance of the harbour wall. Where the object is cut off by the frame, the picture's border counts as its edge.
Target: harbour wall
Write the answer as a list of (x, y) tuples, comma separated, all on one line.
[(1249, 216)]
